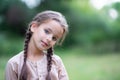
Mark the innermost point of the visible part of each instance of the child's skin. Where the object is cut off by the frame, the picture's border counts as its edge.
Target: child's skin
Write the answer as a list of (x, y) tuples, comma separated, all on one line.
[(44, 37)]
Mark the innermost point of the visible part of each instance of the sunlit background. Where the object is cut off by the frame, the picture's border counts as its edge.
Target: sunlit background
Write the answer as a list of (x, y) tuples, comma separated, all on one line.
[(91, 50)]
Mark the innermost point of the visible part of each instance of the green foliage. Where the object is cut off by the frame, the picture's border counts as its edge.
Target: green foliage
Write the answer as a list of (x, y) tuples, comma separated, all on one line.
[(10, 45), (87, 26)]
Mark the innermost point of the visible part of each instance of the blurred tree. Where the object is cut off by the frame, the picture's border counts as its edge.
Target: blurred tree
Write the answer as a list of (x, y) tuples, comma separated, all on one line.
[(13, 16), (87, 25)]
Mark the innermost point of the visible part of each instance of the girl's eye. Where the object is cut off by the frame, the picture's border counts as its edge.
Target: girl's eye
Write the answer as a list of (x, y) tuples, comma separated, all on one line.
[(54, 38), (46, 31)]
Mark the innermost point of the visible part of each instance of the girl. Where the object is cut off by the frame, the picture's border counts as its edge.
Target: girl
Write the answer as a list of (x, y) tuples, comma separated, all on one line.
[(37, 61)]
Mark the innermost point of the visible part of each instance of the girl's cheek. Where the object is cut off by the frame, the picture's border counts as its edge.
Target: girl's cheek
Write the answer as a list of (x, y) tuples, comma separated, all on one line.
[(53, 43)]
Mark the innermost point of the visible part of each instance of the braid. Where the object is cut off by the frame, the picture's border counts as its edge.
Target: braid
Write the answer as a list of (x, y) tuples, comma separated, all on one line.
[(49, 64), (23, 75)]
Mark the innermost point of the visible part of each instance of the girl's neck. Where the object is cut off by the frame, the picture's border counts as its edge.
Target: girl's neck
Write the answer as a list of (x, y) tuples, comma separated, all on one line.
[(33, 53)]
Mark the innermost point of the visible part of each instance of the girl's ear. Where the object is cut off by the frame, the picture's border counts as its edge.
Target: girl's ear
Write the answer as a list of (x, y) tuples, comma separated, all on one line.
[(33, 27)]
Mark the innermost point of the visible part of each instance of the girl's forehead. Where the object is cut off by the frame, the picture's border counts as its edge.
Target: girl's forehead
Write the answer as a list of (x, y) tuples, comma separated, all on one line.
[(54, 25)]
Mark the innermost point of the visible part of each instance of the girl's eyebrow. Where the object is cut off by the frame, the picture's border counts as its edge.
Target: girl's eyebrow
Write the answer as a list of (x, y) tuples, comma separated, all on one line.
[(49, 29)]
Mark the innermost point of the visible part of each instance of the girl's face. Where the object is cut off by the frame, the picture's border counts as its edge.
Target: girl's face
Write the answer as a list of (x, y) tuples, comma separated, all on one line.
[(46, 35)]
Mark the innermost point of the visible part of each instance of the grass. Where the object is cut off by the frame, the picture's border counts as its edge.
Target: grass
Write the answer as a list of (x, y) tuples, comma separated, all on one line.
[(85, 67), (3, 61), (105, 67)]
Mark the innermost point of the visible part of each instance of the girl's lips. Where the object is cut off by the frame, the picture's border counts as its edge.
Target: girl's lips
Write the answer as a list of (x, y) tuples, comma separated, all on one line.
[(44, 43)]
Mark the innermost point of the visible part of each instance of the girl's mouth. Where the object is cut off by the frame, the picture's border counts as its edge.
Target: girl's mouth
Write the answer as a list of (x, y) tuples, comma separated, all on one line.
[(44, 43)]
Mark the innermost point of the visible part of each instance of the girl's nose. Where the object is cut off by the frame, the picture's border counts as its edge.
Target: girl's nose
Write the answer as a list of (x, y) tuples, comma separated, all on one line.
[(49, 38)]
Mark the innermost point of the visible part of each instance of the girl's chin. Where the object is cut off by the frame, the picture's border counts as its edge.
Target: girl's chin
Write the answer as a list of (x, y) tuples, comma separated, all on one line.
[(43, 48)]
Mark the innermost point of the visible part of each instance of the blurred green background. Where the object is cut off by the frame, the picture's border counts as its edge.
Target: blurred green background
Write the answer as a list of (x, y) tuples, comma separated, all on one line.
[(91, 50)]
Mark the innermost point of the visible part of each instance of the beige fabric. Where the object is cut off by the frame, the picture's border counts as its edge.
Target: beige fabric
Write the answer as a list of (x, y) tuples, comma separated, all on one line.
[(36, 70)]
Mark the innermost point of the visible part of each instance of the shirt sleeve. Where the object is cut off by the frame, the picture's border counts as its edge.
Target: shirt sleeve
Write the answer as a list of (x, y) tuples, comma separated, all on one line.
[(10, 73), (62, 73)]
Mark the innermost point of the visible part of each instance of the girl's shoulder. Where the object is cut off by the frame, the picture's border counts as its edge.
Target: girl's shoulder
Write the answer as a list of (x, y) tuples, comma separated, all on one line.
[(56, 59), (17, 58)]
